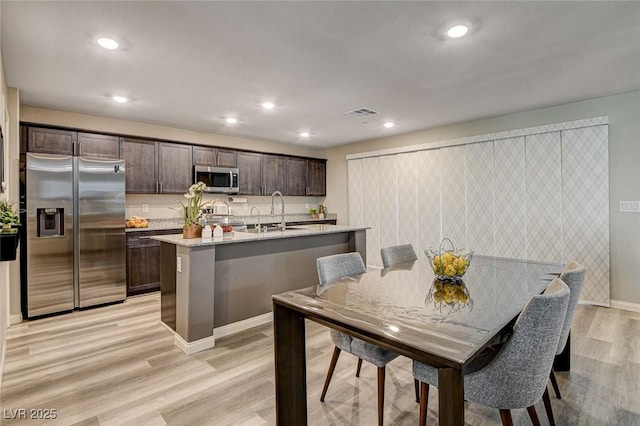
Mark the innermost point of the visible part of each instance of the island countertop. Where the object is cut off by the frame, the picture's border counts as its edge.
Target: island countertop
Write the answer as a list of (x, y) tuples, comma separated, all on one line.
[(226, 284), (241, 237)]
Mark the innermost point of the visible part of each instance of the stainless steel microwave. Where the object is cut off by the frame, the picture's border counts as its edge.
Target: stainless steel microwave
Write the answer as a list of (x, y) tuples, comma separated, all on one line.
[(222, 180)]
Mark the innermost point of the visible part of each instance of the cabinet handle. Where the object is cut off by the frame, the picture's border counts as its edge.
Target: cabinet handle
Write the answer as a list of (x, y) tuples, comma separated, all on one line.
[(307, 190), (161, 190)]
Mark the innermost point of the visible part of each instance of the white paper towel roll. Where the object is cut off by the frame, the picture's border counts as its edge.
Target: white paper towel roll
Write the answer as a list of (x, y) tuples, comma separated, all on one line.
[(238, 199)]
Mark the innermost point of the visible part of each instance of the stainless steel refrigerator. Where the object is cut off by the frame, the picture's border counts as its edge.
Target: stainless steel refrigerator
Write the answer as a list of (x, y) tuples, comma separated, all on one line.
[(75, 234)]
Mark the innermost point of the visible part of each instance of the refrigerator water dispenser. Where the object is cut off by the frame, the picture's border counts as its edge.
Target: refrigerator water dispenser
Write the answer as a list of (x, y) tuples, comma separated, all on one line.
[(50, 222)]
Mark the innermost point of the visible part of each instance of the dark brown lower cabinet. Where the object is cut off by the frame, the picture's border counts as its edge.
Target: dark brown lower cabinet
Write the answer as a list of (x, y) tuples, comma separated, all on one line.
[(143, 261)]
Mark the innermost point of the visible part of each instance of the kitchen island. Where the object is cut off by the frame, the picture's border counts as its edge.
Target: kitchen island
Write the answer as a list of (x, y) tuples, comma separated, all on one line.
[(211, 287)]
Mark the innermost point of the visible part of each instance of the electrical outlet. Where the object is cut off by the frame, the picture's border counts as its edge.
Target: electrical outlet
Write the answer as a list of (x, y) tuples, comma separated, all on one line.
[(306, 205), (145, 208), (179, 264), (629, 206)]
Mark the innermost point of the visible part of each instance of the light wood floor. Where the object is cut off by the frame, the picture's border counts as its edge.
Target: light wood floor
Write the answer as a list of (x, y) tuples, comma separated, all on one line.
[(116, 365)]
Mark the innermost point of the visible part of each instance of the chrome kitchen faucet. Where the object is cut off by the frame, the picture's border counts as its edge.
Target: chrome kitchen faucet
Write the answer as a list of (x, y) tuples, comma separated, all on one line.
[(259, 224), (283, 225)]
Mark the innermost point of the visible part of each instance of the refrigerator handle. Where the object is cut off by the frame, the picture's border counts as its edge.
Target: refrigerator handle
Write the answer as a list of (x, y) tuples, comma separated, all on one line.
[(161, 187)]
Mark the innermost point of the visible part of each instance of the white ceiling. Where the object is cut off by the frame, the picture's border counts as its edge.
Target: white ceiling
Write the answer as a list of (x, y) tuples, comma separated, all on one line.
[(189, 64)]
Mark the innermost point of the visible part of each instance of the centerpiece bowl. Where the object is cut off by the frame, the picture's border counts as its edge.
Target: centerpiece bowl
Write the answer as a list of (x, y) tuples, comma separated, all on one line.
[(449, 264)]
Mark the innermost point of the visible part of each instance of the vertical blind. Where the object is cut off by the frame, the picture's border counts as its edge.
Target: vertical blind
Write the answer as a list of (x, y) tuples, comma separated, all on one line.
[(542, 195)]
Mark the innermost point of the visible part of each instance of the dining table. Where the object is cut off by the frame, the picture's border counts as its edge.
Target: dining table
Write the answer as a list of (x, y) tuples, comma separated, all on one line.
[(405, 309)]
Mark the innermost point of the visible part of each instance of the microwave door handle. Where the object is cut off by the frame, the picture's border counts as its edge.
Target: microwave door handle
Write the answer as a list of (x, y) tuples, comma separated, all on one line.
[(230, 179)]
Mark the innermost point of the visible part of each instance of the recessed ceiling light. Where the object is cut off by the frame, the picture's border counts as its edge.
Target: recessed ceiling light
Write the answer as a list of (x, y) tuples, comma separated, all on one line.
[(108, 43), (268, 105), (457, 31), (389, 124), (231, 120), (304, 134), (120, 99)]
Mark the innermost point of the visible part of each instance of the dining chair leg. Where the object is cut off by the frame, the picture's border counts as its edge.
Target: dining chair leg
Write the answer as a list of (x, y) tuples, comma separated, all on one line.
[(424, 401), (505, 416), (381, 371), (547, 407), (332, 366), (554, 383), (416, 385), (535, 421), (359, 367)]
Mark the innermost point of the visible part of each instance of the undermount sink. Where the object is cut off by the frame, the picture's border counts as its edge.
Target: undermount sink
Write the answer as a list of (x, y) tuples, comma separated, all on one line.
[(272, 228)]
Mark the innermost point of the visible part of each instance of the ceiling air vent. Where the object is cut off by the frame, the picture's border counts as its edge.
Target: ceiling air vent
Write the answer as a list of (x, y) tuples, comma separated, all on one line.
[(361, 112)]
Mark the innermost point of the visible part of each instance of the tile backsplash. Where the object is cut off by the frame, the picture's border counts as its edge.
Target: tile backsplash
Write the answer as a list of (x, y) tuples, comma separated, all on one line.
[(167, 206)]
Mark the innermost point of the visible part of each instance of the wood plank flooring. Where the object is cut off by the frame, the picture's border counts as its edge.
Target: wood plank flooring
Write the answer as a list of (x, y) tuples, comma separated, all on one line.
[(118, 366)]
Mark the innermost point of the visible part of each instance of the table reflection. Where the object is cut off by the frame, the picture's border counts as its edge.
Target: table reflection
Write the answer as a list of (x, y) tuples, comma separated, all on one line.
[(452, 295)]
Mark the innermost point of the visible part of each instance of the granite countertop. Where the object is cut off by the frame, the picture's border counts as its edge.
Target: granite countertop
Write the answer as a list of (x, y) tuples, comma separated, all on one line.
[(241, 237), (162, 224)]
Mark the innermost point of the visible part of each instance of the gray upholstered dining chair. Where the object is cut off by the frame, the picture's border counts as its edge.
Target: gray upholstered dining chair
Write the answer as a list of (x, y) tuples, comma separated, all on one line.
[(517, 376), (331, 268), (398, 254), (395, 255), (573, 275)]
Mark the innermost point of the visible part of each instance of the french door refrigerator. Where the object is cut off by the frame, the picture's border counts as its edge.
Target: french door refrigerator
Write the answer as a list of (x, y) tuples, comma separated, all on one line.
[(75, 234)]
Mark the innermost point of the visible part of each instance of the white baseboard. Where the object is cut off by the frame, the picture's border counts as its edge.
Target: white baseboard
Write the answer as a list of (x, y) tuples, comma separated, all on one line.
[(15, 319), (625, 306), (193, 347), (226, 330), (243, 325), (190, 347)]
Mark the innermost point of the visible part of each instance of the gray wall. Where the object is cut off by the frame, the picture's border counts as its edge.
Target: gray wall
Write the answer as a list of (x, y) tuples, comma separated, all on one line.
[(623, 111)]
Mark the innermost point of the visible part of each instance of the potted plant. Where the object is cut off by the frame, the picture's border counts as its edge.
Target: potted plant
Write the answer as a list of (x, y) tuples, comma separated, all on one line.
[(10, 220), (192, 211), (313, 213)]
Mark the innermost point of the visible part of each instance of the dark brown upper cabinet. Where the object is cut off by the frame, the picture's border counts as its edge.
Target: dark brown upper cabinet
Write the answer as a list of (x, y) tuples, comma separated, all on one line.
[(154, 167), (306, 176), (226, 158), (51, 141), (95, 145), (140, 162), (69, 142), (250, 173), (203, 156), (214, 157), (316, 177), (296, 176), (274, 173), (174, 168)]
